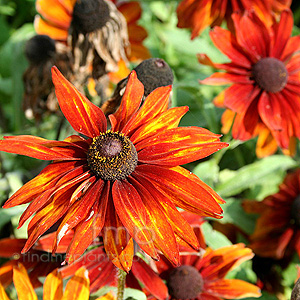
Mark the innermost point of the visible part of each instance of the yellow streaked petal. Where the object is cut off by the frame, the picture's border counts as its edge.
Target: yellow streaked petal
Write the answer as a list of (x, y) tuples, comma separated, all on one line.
[(53, 286)]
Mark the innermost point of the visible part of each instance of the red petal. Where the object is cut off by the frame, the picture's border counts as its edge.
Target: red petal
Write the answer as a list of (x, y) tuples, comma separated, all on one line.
[(84, 116), (151, 281), (132, 11), (185, 189), (226, 78), (10, 247), (130, 103), (178, 146)]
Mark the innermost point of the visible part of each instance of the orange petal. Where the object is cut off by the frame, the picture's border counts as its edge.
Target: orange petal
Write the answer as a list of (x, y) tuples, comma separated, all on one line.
[(3, 295), (54, 12), (136, 33), (138, 52), (130, 103), (266, 144), (132, 11), (84, 116), (178, 146), (10, 247), (53, 286), (22, 284), (43, 27), (6, 272), (155, 104), (232, 289), (78, 286)]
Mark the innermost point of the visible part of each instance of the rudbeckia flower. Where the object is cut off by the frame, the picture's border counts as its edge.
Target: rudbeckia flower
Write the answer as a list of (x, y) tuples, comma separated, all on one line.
[(202, 277), (277, 232), (198, 14), (124, 182), (76, 288), (264, 76)]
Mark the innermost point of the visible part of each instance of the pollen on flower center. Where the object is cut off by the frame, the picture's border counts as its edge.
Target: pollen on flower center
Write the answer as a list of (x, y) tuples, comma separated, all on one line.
[(89, 15), (270, 74), (295, 212), (184, 282), (112, 156)]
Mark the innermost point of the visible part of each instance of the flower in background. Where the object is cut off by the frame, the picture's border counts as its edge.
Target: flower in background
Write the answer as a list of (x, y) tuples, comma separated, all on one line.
[(277, 232), (264, 73), (37, 263), (77, 286), (202, 277), (198, 14), (125, 182)]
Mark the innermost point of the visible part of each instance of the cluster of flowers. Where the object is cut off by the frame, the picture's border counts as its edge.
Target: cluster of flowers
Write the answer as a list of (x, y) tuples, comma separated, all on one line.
[(111, 194)]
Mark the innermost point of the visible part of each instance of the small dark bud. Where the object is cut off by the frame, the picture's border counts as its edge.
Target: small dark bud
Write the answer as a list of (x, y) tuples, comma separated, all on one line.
[(39, 48)]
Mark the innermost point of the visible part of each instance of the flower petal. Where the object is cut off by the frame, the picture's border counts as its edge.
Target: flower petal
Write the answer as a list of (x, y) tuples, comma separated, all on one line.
[(78, 286), (22, 284), (232, 289), (226, 78), (151, 281), (84, 116), (178, 146), (132, 11), (3, 295), (130, 103), (185, 189), (53, 286), (10, 247)]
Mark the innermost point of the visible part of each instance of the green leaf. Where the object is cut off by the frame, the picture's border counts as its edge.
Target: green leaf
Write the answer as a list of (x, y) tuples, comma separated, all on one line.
[(254, 174), (207, 171), (214, 238), (128, 293)]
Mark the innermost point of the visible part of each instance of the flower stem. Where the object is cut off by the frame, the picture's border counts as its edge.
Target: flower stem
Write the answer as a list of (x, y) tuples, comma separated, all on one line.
[(121, 284)]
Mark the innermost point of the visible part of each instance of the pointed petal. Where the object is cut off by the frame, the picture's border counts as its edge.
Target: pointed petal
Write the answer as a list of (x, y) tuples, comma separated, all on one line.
[(132, 213), (178, 146), (22, 284), (155, 104), (167, 120), (117, 242), (185, 189), (151, 281), (53, 286), (130, 103), (3, 295), (232, 289), (78, 286), (10, 247), (84, 116), (45, 28), (227, 78)]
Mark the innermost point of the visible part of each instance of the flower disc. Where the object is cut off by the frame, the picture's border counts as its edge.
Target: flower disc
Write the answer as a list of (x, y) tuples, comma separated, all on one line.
[(112, 156)]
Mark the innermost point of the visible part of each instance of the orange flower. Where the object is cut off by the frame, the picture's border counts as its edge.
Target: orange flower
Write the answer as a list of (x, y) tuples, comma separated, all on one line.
[(124, 182), (56, 18), (76, 288), (264, 74), (198, 14), (277, 233), (203, 277)]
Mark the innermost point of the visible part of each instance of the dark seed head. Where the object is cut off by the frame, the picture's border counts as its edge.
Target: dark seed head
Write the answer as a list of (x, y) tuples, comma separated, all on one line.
[(153, 73), (112, 156), (184, 283), (295, 212), (296, 291), (270, 74), (39, 49), (90, 15)]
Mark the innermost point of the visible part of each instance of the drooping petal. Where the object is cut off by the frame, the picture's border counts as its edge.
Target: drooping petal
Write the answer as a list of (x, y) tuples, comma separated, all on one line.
[(84, 116), (155, 104), (22, 284), (53, 286), (132, 11), (78, 286), (152, 282), (232, 289), (178, 146), (130, 103), (226, 78), (10, 246), (133, 214), (185, 189)]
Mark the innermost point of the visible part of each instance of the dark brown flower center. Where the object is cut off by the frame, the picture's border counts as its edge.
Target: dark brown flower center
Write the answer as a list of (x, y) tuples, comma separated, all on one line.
[(39, 49), (295, 212), (184, 282), (112, 156), (270, 74), (89, 15)]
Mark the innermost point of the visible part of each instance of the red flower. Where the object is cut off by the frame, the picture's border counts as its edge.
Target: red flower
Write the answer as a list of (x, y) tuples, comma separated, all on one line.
[(264, 73), (124, 182), (277, 232), (203, 277), (198, 14)]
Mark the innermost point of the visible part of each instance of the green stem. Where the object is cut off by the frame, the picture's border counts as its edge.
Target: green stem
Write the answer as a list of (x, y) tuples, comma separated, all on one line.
[(121, 284)]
